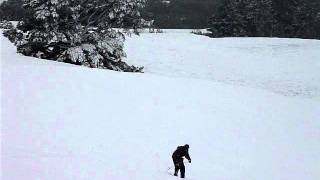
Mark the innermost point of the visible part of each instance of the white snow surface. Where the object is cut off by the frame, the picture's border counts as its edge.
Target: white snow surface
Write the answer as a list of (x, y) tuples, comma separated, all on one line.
[(63, 122), (286, 66)]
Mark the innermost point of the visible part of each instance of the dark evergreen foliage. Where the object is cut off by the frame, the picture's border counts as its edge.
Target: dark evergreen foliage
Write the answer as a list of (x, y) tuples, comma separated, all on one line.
[(224, 18), (267, 18), (180, 14), (12, 10)]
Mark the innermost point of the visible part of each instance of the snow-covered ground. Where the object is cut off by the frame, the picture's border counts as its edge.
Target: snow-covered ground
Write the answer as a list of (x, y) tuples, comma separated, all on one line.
[(286, 66), (65, 122)]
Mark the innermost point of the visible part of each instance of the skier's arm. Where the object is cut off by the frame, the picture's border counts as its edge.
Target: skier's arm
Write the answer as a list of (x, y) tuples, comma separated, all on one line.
[(188, 156)]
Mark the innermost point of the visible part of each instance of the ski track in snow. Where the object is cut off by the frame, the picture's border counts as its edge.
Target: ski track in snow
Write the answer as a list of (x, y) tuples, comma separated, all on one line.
[(285, 66)]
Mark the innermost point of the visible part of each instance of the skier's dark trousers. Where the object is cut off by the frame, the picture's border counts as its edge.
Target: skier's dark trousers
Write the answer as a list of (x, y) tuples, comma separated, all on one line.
[(177, 157)]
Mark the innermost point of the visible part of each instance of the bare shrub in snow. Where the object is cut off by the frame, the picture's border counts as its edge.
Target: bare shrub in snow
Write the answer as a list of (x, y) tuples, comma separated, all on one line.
[(155, 30), (197, 32)]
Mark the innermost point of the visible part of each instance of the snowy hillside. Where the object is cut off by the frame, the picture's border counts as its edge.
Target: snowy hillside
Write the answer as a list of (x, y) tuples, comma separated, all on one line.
[(285, 66), (232, 100)]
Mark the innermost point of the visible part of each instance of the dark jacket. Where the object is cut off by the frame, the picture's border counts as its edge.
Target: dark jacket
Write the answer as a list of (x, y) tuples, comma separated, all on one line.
[(181, 152)]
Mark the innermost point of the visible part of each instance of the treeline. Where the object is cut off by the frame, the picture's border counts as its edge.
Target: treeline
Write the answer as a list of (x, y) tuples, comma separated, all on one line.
[(181, 14), (223, 18), (165, 13), (267, 18)]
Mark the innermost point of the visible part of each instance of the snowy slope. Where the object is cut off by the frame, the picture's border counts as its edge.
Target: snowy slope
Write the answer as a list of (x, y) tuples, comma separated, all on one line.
[(285, 66), (65, 122)]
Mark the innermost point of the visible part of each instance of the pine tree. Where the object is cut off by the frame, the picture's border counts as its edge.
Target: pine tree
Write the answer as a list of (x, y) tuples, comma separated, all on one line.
[(296, 18), (243, 18), (80, 31), (267, 18)]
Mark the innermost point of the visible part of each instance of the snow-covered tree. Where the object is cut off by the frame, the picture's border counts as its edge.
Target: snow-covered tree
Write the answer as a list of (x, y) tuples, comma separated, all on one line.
[(5, 25), (80, 31)]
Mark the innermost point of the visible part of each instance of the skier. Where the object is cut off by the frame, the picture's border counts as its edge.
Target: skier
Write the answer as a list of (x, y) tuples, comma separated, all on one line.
[(177, 157)]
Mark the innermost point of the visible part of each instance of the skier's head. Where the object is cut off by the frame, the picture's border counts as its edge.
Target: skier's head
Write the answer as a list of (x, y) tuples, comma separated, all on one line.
[(187, 146)]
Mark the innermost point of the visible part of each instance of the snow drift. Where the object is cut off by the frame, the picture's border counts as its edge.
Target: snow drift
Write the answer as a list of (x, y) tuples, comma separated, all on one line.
[(61, 121)]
